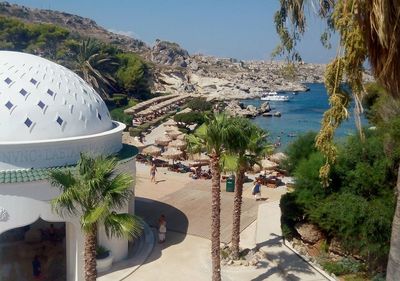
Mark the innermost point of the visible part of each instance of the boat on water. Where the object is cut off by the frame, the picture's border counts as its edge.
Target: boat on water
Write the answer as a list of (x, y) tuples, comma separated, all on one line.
[(273, 96)]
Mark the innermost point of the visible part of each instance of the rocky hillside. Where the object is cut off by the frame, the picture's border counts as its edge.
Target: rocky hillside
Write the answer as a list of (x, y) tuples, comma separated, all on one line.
[(175, 70)]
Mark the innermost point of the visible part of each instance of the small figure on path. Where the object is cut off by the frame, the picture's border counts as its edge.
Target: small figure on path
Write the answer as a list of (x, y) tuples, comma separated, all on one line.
[(153, 171), (36, 267), (162, 229), (256, 190)]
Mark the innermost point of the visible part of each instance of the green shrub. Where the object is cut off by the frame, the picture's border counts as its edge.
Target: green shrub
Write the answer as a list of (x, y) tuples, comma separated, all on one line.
[(101, 252), (190, 118), (200, 104), (344, 266), (118, 114), (300, 149), (358, 206)]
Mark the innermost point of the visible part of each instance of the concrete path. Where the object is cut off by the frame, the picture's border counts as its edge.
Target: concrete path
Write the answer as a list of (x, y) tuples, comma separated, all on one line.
[(187, 257)]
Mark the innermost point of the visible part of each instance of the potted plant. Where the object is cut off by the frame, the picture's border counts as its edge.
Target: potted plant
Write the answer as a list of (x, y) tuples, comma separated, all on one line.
[(104, 259)]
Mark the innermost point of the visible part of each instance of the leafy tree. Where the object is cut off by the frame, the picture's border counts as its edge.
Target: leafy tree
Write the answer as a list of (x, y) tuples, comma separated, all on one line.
[(357, 208), (366, 31), (94, 194), (301, 149), (133, 74), (215, 135)]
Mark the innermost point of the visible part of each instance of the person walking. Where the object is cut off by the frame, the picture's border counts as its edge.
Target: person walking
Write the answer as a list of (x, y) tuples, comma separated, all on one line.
[(162, 229), (256, 191), (153, 171), (36, 268)]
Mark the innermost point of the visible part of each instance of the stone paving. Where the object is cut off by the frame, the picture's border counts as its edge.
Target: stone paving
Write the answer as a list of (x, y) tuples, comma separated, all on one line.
[(187, 257)]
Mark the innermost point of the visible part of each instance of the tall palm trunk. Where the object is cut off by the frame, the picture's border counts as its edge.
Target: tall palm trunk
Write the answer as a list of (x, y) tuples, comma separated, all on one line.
[(393, 268), (215, 218), (237, 210), (90, 254)]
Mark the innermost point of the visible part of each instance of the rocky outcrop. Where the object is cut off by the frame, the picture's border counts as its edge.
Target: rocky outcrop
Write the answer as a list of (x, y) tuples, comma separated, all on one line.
[(83, 26), (309, 233), (168, 53), (235, 108)]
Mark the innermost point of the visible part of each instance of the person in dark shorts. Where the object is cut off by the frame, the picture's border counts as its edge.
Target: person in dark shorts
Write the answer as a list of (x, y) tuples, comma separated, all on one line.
[(36, 267)]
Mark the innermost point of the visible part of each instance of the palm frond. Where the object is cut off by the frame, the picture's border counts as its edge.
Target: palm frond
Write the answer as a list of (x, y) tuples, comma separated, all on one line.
[(123, 226)]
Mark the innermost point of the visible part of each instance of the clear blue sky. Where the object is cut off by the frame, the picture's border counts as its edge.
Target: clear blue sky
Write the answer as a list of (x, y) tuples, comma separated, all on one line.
[(225, 28)]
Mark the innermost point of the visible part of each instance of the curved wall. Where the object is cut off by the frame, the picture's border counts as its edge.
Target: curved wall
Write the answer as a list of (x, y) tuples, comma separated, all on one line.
[(58, 152)]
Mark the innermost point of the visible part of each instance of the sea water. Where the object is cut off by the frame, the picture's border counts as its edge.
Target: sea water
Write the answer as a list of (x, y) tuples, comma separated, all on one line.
[(302, 113)]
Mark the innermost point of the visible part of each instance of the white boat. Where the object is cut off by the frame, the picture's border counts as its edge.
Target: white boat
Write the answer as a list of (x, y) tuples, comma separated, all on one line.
[(273, 96)]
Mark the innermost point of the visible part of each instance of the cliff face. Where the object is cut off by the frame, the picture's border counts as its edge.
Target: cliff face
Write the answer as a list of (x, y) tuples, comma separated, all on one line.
[(175, 70)]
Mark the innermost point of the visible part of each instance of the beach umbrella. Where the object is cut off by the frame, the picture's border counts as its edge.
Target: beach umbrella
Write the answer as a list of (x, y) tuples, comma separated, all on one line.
[(277, 157), (152, 150), (256, 168), (163, 140), (173, 154), (170, 122), (178, 144), (268, 165)]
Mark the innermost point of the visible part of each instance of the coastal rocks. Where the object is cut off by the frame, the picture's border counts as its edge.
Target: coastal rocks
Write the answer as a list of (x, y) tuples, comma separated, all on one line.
[(169, 53), (265, 107), (234, 108), (309, 233)]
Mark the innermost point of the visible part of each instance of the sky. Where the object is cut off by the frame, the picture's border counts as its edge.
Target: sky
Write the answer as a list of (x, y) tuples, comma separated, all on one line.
[(241, 29)]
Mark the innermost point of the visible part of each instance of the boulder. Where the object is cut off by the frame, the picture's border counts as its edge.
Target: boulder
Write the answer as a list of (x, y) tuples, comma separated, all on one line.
[(336, 247), (309, 233), (265, 107)]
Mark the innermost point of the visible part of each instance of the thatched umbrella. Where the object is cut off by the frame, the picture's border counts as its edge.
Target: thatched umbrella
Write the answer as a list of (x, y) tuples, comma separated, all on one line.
[(178, 144), (152, 150), (173, 154), (163, 140), (170, 122), (256, 168), (268, 165), (277, 157)]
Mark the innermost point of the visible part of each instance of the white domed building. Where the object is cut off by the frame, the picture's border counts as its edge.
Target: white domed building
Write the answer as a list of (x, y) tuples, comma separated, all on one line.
[(48, 116)]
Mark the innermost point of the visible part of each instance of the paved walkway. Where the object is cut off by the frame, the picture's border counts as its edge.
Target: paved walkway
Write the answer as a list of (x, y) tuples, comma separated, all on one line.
[(187, 257)]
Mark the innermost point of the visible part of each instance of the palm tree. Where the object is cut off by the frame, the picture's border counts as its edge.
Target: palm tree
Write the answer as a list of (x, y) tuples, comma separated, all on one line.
[(93, 66), (367, 31), (240, 159), (93, 194), (215, 136)]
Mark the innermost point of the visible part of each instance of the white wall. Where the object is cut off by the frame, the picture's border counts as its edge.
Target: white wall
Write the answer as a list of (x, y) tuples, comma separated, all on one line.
[(25, 203), (59, 152)]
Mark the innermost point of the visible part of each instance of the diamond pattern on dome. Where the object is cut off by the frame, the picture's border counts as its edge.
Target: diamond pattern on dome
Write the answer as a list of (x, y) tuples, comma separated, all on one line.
[(41, 104), (9, 105), (34, 92), (50, 92), (28, 122), (23, 92), (60, 121)]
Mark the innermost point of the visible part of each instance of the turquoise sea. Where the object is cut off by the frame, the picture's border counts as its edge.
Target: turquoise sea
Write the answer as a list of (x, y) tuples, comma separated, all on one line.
[(302, 113)]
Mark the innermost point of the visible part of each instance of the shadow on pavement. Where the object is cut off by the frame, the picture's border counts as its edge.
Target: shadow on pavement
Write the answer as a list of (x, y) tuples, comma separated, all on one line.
[(177, 221), (283, 261)]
